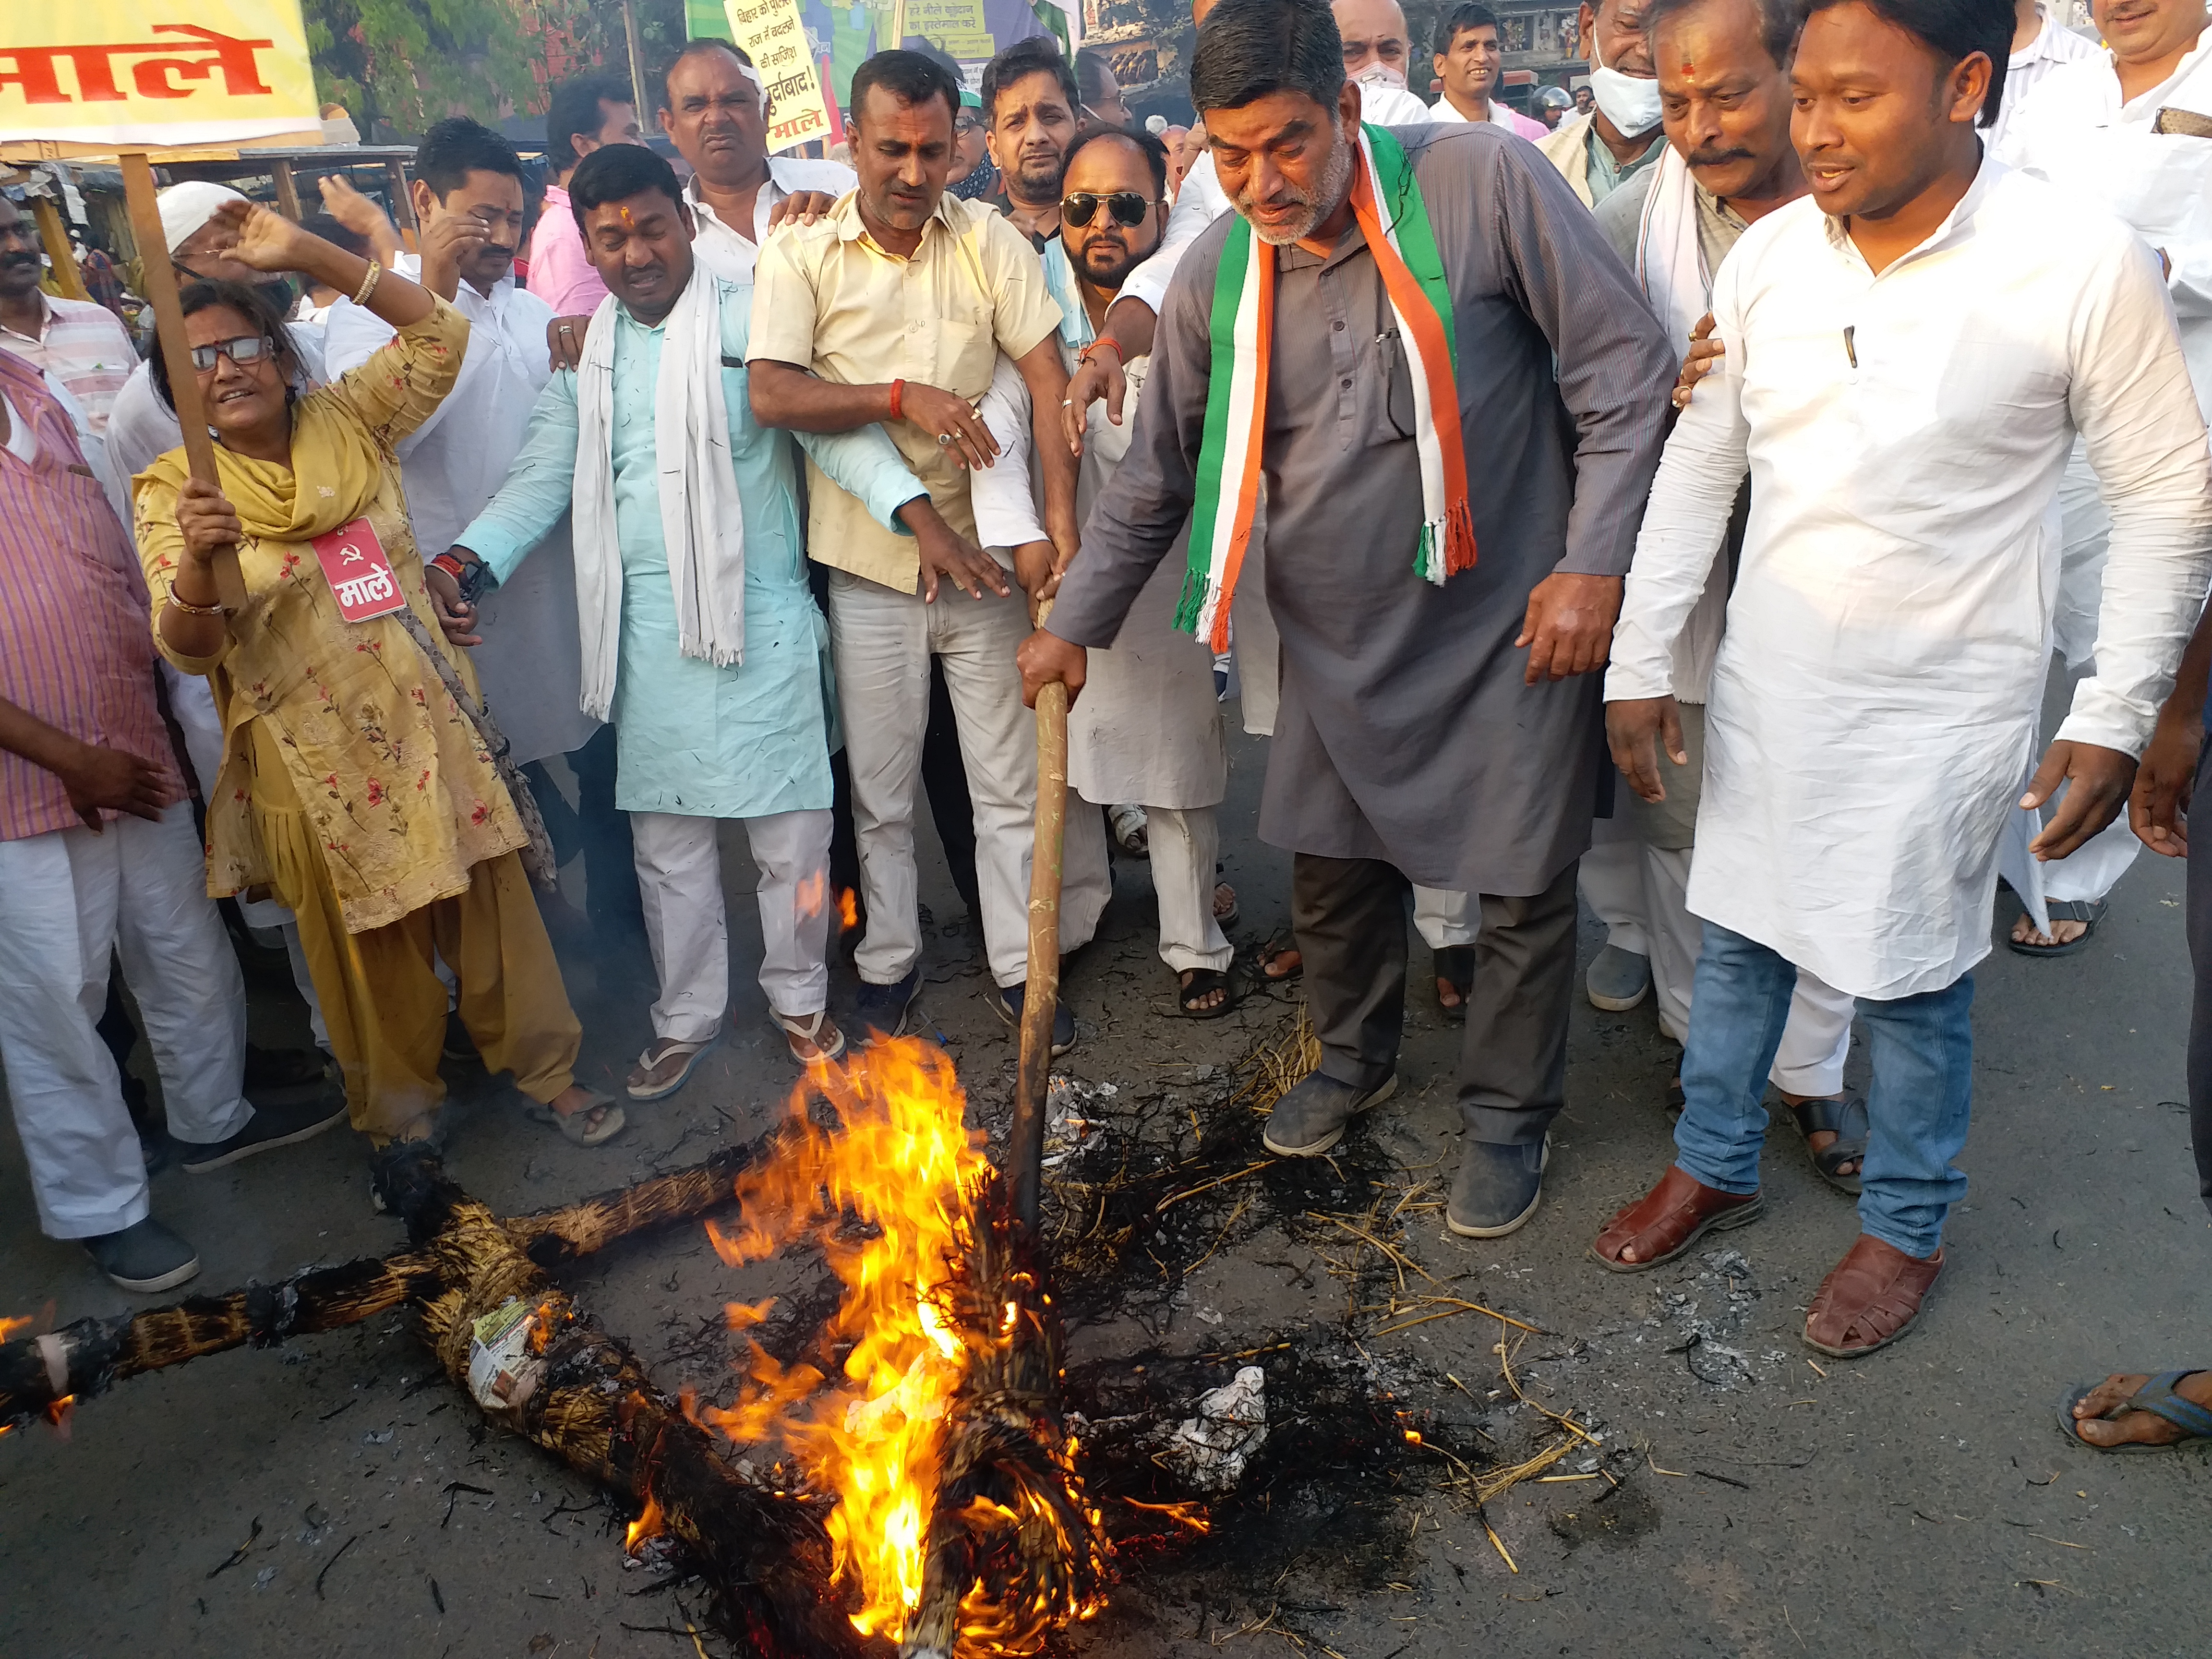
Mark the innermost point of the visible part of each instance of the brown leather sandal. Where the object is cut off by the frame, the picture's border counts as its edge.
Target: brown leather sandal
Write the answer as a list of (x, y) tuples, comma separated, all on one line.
[(1669, 1218), (1870, 1298)]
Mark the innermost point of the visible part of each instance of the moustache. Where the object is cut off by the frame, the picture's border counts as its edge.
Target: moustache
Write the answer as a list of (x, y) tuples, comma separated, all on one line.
[(1715, 158), (14, 259)]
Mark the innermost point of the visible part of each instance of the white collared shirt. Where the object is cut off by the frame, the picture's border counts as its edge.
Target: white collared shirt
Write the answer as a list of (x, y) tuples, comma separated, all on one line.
[(2077, 132), (1875, 699), (2054, 47), (732, 256)]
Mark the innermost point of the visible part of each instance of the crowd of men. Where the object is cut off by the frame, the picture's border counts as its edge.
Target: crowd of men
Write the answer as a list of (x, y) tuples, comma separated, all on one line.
[(1672, 502)]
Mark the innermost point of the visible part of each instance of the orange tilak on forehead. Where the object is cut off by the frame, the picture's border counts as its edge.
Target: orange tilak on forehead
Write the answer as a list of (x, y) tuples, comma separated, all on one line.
[(627, 222)]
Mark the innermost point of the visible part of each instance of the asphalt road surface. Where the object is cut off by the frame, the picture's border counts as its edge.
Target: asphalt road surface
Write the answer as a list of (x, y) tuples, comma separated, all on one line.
[(1742, 1499)]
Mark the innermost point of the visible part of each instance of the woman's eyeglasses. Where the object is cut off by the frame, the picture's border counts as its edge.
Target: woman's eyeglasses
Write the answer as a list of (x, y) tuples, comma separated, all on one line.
[(967, 121), (1127, 206), (246, 349)]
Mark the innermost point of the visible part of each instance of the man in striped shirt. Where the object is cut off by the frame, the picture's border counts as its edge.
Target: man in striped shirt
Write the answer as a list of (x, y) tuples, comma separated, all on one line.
[(99, 857), (83, 345)]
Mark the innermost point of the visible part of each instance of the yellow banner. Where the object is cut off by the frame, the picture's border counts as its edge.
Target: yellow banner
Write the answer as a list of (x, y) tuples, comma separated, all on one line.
[(128, 73), (776, 39)]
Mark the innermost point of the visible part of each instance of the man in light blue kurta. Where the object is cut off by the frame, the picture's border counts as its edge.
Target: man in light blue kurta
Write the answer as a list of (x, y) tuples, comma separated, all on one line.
[(699, 738)]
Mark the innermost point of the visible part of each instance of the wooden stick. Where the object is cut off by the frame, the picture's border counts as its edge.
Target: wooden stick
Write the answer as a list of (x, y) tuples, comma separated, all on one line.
[(1041, 994), (161, 278), (67, 276), (287, 189)]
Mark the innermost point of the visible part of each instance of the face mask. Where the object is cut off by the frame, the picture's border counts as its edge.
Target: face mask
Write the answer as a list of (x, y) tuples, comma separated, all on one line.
[(1381, 75), (1630, 103)]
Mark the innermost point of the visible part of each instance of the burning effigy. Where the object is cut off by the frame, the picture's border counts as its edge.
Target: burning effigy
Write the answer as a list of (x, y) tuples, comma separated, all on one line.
[(918, 1470)]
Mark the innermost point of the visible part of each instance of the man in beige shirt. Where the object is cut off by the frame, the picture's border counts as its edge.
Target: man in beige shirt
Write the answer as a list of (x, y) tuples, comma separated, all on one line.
[(893, 310)]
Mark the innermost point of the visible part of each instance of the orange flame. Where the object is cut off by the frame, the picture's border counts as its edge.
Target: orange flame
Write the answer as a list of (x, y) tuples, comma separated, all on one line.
[(848, 910), (57, 1414), (10, 1328), (812, 890), (889, 1198), (647, 1526)]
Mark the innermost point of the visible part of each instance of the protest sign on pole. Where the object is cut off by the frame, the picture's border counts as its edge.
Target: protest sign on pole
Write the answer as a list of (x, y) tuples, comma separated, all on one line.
[(134, 79), (775, 38)]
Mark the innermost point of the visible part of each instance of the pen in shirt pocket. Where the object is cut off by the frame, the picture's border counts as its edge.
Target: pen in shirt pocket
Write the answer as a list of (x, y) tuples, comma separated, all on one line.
[(1850, 350)]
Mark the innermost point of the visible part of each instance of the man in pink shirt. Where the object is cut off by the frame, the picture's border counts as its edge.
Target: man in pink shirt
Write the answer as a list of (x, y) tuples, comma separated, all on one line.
[(84, 346), (585, 115), (1467, 57)]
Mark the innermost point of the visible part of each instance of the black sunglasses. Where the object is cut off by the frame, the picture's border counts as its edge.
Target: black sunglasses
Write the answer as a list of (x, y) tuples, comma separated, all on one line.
[(1127, 207)]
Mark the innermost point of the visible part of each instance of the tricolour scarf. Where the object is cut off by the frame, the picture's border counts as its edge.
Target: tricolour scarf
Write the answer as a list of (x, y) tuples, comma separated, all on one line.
[(701, 519), (1242, 331)]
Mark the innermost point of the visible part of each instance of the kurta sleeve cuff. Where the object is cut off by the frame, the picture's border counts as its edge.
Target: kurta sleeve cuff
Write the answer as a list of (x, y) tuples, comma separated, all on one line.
[(867, 466), (498, 545)]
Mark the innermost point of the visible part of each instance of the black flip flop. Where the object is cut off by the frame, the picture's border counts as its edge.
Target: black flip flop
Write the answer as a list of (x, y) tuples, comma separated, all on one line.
[(2088, 911), (1202, 980), (1846, 1120), (1454, 965)]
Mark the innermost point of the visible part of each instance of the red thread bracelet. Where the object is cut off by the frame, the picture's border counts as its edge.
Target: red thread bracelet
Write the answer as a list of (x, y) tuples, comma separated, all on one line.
[(452, 566), (1083, 355), (898, 391)]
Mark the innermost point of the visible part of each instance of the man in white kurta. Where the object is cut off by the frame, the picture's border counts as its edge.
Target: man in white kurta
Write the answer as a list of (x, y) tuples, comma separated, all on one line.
[(1874, 701), (454, 462), (1147, 728), (2131, 129)]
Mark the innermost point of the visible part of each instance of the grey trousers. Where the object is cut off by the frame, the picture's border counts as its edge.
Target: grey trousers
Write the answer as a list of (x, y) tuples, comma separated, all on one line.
[(1349, 917)]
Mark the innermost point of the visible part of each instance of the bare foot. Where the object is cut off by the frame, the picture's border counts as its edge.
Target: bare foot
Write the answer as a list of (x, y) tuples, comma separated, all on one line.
[(1281, 963), (2134, 1428), (571, 1100), (2024, 932), (1820, 1139), (1447, 995)]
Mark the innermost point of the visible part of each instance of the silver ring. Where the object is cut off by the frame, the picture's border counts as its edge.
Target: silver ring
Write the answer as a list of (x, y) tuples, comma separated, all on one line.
[(945, 440), (1068, 402), (565, 329)]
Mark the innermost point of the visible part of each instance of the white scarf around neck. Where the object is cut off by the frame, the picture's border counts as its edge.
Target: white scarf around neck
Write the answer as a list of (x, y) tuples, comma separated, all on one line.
[(701, 519), (1670, 260)]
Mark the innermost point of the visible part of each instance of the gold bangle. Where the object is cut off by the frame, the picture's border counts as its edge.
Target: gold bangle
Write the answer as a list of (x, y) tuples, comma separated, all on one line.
[(196, 609), (369, 283)]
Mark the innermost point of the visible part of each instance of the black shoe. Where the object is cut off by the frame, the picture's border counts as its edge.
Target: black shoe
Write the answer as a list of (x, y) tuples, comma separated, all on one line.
[(145, 1258), (281, 1068), (1311, 1118), (881, 1010), (1009, 1000), (270, 1125), (458, 1044), (1496, 1189)]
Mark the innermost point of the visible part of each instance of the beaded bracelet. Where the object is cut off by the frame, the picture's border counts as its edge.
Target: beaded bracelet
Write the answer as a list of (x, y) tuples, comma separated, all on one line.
[(369, 283), (217, 609)]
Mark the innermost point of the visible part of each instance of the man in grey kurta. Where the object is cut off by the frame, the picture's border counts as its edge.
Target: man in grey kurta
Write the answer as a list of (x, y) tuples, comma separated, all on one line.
[(1416, 739)]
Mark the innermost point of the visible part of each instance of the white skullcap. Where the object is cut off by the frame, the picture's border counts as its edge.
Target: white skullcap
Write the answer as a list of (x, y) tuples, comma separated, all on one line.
[(184, 208), (1156, 125)]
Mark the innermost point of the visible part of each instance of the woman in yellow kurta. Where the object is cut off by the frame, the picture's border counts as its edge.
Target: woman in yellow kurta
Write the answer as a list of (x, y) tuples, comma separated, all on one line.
[(352, 783)]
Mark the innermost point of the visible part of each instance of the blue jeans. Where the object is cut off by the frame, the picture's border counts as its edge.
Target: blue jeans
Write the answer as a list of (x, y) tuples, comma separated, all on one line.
[(1921, 1050)]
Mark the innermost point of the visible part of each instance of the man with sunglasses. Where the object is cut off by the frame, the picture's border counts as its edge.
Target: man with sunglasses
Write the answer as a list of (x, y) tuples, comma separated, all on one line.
[(1147, 730)]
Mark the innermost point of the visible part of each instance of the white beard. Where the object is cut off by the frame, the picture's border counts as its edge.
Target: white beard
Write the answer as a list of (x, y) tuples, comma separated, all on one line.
[(1335, 181)]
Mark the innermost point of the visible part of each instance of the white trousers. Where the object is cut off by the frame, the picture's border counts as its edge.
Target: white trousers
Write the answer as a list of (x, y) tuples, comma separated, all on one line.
[(69, 900), (1444, 919), (882, 641), (1183, 848), (191, 702), (1640, 893), (679, 879)]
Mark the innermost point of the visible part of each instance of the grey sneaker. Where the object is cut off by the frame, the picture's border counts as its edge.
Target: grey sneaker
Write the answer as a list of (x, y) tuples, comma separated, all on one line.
[(1496, 1189), (143, 1258), (270, 1126), (1310, 1119), (1618, 980)]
